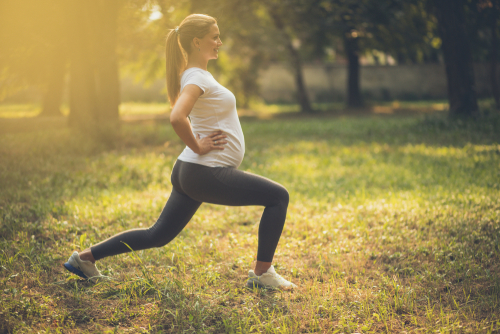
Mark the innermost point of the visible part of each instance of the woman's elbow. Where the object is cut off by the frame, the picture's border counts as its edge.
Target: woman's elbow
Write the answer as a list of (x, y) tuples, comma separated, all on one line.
[(174, 120)]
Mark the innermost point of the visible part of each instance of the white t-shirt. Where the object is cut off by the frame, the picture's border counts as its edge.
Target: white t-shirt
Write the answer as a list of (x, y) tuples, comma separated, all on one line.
[(214, 110)]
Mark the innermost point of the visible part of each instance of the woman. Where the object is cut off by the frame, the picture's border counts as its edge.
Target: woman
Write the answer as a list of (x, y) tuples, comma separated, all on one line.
[(206, 171)]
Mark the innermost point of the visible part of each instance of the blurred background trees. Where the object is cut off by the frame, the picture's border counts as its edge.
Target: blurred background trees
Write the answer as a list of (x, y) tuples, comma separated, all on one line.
[(42, 42), (86, 45)]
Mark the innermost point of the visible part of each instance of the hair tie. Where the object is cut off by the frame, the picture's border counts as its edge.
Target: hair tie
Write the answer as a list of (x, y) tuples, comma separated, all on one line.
[(177, 30)]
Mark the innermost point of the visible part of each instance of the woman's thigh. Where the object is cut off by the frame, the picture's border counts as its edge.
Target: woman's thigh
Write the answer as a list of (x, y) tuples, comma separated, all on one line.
[(230, 186)]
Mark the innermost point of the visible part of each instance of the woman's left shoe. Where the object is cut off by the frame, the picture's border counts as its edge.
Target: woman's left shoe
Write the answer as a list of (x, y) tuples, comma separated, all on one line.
[(268, 280), (84, 269)]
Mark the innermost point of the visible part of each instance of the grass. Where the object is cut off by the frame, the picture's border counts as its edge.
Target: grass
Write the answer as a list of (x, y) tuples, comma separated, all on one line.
[(261, 110), (393, 226), (12, 110)]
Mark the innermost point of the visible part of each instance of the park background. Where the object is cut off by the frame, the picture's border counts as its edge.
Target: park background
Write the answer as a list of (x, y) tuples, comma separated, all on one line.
[(380, 117)]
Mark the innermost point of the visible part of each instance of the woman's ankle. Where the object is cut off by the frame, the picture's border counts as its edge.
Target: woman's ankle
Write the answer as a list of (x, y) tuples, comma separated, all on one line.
[(86, 255), (261, 267)]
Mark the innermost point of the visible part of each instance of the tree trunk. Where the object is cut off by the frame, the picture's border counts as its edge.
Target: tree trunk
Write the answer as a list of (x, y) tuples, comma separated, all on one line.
[(94, 89), (296, 64), (52, 95), (458, 58), (354, 99), (303, 99), (494, 54), (107, 78), (83, 97)]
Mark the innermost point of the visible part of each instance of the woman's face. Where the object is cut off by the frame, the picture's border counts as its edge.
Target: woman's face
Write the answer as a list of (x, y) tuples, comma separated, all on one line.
[(209, 45)]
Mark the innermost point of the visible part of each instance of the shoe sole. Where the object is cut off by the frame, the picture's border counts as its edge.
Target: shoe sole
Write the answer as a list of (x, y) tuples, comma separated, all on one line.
[(254, 284), (74, 270), (258, 285)]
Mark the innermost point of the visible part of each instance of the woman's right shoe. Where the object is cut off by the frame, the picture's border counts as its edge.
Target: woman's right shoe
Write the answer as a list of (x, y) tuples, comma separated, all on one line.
[(268, 280), (84, 269)]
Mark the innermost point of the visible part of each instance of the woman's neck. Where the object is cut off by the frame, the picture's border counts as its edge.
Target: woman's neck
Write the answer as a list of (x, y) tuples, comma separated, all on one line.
[(196, 61)]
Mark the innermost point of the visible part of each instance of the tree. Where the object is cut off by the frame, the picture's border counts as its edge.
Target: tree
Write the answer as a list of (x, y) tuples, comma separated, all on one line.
[(409, 33), (356, 23), (483, 16), (351, 13), (33, 39), (83, 99), (351, 49), (278, 11), (53, 88), (458, 58), (39, 38), (55, 64), (94, 89), (493, 21)]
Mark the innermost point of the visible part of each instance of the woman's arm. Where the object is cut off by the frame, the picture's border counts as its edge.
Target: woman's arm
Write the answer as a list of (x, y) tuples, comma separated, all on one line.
[(181, 125)]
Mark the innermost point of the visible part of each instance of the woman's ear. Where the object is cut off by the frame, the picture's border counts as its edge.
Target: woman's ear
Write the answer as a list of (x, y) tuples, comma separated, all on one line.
[(196, 42)]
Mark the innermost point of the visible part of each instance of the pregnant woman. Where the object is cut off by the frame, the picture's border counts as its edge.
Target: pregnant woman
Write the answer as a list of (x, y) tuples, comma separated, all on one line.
[(206, 171)]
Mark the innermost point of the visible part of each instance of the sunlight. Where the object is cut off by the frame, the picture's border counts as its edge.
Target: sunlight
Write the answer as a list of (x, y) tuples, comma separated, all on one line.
[(155, 15)]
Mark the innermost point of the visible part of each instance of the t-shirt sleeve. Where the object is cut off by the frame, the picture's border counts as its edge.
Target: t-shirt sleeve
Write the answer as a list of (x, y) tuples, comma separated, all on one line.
[(196, 78)]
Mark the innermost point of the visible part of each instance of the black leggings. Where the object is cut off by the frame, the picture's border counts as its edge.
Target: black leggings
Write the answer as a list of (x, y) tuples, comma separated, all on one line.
[(194, 184)]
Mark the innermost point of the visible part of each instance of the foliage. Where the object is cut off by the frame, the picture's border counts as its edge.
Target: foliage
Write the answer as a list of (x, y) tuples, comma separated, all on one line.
[(31, 32), (393, 226), (141, 40), (403, 29), (409, 34), (481, 16), (246, 46), (249, 46)]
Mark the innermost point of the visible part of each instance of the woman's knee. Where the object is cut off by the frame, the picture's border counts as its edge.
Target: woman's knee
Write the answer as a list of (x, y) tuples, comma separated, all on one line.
[(283, 196), (159, 241), (156, 238)]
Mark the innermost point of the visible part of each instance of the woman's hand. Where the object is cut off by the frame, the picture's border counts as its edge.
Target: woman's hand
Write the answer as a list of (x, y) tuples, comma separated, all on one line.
[(213, 141)]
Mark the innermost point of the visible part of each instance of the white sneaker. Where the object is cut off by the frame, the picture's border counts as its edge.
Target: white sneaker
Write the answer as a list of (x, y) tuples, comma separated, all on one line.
[(268, 280), (84, 269)]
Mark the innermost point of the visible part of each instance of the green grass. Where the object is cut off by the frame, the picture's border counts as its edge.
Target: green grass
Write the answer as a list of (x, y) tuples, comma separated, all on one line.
[(393, 226)]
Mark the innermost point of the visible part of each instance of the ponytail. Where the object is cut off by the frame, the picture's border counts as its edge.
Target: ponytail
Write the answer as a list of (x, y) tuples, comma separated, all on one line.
[(175, 63), (178, 46)]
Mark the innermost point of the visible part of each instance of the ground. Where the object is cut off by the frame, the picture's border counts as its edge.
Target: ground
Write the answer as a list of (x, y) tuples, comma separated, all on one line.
[(393, 226)]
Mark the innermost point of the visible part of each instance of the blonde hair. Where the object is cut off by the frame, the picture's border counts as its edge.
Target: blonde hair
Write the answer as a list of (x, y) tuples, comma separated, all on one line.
[(178, 45)]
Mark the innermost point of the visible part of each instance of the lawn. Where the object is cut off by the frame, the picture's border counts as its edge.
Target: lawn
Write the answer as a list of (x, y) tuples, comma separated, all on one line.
[(393, 226)]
